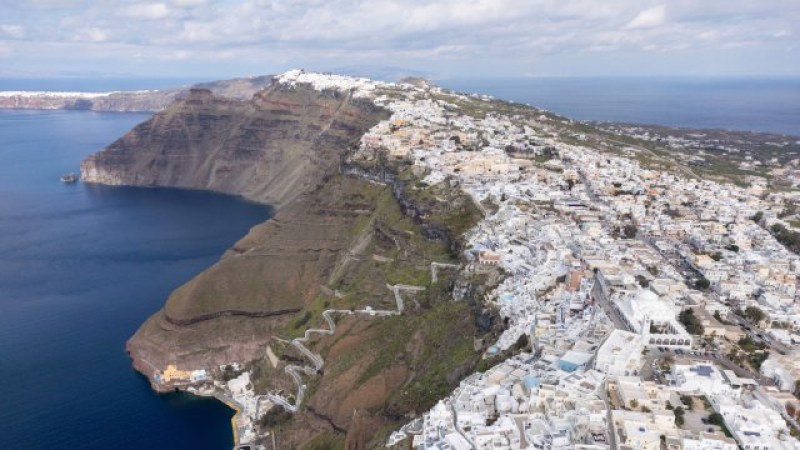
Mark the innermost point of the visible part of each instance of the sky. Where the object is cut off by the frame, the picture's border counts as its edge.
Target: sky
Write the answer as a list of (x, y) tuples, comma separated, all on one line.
[(448, 38)]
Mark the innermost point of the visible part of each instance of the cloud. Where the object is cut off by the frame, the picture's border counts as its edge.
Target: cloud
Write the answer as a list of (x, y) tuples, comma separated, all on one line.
[(188, 3), (5, 50), (54, 3), (12, 31), (649, 18), (463, 34), (147, 11), (91, 35)]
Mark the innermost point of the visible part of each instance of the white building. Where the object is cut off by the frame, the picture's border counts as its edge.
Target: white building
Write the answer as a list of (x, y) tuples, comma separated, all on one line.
[(654, 319), (701, 378), (705, 441), (783, 369), (620, 354)]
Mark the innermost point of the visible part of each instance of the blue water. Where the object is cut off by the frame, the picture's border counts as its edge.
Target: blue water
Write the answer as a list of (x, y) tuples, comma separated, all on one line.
[(81, 267), (769, 105)]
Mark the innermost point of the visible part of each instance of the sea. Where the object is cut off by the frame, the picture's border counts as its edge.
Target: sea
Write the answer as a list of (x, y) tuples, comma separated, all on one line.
[(81, 267), (744, 104)]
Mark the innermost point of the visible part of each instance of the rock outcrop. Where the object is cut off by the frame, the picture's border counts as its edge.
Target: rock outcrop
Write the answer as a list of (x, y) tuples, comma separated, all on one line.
[(270, 149)]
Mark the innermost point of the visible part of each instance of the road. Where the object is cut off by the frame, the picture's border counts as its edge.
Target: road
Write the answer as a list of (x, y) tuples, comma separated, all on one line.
[(611, 435), (743, 372), (295, 371), (455, 425), (436, 265), (754, 333), (588, 186), (610, 311)]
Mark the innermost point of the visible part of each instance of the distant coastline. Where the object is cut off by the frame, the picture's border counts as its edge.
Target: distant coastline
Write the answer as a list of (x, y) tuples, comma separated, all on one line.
[(117, 101), (768, 105), (82, 96)]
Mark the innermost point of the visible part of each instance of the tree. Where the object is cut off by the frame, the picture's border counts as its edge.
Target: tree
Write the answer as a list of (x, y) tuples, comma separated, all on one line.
[(522, 342), (733, 247), (749, 345), (716, 256), (629, 230), (674, 213), (754, 314), (757, 358), (757, 217), (702, 284), (691, 322), (790, 239), (687, 400), (718, 317), (634, 404), (229, 373), (679, 413), (716, 418)]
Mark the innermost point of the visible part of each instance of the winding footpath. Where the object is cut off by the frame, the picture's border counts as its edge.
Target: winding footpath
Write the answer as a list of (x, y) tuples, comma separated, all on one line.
[(437, 265), (317, 363)]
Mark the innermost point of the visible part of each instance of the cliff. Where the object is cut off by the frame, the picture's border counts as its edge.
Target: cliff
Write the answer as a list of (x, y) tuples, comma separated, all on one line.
[(134, 101), (336, 241), (270, 149)]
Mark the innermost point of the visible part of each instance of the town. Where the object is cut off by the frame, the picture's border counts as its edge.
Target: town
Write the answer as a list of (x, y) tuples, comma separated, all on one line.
[(645, 308)]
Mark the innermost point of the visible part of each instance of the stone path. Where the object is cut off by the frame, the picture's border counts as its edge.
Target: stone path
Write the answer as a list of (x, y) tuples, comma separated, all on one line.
[(436, 265), (317, 363)]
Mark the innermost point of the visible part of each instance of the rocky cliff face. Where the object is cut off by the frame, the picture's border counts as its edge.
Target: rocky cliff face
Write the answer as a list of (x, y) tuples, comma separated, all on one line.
[(270, 149), (336, 242), (282, 144)]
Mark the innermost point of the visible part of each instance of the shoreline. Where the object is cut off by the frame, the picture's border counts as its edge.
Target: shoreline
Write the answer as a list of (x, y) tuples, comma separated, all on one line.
[(220, 397), (231, 404)]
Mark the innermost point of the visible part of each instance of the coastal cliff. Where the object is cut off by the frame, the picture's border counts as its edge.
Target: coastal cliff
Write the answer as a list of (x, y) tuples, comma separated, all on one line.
[(132, 101), (270, 149), (337, 240)]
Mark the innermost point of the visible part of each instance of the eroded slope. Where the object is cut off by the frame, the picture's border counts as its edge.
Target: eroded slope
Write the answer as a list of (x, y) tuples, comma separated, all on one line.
[(269, 149)]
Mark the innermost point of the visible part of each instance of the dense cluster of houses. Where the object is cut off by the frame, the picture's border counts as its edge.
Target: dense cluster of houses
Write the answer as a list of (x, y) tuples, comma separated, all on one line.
[(598, 253), (572, 228)]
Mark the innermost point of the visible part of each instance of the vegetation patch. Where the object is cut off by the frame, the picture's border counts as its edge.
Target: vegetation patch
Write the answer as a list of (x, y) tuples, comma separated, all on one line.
[(325, 441)]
